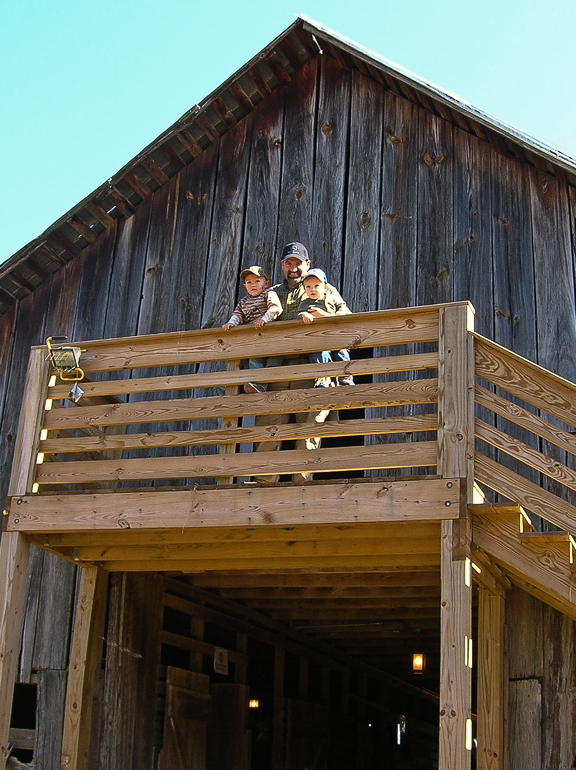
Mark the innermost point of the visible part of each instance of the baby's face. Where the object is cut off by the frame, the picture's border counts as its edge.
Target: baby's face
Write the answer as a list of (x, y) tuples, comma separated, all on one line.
[(255, 284), (315, 288)]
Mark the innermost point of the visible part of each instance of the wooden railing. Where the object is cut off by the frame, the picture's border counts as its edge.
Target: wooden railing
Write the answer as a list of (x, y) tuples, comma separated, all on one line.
[(526, 447), (169, 409)]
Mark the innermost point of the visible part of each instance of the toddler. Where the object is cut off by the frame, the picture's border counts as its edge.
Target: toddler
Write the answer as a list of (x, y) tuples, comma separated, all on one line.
[(261, 305), (318, 304)]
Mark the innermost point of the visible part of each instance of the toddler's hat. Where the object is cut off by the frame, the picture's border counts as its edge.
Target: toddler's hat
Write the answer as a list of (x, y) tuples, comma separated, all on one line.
[(297, 250), (320, 274), (255, 270)]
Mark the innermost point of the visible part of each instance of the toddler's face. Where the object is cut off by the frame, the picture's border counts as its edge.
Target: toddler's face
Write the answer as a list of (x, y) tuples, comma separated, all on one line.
[(315, 288), (255, 284)]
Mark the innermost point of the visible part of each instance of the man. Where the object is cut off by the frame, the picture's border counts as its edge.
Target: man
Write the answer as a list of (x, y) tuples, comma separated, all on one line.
[(295, 263)]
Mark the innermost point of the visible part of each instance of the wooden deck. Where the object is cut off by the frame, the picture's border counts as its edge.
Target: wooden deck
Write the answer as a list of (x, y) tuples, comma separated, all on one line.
[(153, 470)]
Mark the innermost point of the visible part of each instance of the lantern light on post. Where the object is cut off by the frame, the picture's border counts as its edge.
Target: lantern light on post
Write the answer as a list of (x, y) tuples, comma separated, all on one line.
[(418, 662)]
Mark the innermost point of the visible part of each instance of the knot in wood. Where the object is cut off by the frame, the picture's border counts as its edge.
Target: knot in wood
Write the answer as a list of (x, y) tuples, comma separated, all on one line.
[(365, 219), (428, 159), (326, 129), (299, 192), (395, 139)]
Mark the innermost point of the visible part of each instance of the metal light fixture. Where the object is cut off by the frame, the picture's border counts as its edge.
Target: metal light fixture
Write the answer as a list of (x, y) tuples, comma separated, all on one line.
[(253, 704), (65, 359), (418, 662)]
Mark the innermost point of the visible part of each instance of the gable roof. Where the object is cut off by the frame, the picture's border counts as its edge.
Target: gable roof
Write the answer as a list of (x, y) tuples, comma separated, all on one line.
[(205, 123)]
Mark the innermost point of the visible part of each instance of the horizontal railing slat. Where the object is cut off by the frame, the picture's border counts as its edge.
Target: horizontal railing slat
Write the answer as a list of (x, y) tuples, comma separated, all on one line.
[(421, 453), (276, 402), (525, 419), (290, 431), (525, 380), (525, 493), (525, 454), (366, 366), (395, 327)]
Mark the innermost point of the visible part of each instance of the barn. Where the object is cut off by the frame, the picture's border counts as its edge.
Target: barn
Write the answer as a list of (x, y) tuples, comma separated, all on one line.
[(411, 604)]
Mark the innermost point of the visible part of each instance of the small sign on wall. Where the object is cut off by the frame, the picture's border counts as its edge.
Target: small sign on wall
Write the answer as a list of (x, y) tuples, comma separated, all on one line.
[(221, 661)]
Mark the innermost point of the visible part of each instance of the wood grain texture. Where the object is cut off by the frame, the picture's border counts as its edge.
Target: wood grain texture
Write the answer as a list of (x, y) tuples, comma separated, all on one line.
[(543, 571), (473, 266), (177, 382), (421, 453), (360, 277), (525, 723), (332, 131), (374, 501), (491, 671), (529, 495), (88, 620), (455, 674), (298, 140), (14, 552), (289, 431)]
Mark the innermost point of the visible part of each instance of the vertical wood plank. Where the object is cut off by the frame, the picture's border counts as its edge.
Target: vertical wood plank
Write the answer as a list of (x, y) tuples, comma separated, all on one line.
[(263, 198), (295, 212), (558, 687), (231, 421), (14, 551), (455, 393), (326, 243), (90, 608), (435, 261), (455, 645), (525, 734), (473, 268), (51, 694), (239, 669), (360, 277), (278, 730), (398, 225), (30, 424), (303, 678), (491, 668)]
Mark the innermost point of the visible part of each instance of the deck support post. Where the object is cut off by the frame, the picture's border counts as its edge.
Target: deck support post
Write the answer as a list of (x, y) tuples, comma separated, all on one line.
[(455, 461), (491, 607), (90, 609), (14, 551), (455, 656)]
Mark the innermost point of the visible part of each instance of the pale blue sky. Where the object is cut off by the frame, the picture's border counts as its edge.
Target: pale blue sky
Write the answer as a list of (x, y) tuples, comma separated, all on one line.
[(86, 86)]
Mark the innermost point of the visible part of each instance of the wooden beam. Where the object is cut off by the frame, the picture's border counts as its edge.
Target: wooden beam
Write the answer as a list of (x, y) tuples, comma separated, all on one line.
[(14, 551), (491, 667), (393, 530), (288, 432), (88, 622), (525, 493), (455, 392), (357, 458), (526, 380), (278, 728), (383, 500), (275, 402), (339, 563), (543, 571), (30, 423), (301, 581), (456, 653), (231, 421), (123, 387), (388, 327), (230, 551)]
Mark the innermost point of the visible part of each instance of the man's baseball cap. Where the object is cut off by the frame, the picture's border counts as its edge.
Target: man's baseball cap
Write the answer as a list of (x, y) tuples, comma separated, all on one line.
[(296, 250), (320, 274), (255, 270)]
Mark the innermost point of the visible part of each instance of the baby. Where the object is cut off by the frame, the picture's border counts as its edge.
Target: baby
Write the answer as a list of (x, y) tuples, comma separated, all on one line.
[(320, 303), (261, 305)]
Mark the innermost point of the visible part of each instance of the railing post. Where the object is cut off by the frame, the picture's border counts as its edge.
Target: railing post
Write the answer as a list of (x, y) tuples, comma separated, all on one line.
[(455, 464), (90, 609)]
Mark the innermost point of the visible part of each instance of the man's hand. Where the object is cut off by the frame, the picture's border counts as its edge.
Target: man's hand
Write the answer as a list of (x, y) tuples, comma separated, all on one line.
[(307, 317), (318, 312)]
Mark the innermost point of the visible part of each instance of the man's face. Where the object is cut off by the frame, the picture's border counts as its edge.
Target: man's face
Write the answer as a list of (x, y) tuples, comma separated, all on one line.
[(255, 284), (294, 269), (315, 288)]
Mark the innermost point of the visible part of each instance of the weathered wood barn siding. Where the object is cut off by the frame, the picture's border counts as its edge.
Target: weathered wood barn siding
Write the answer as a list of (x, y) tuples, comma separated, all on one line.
[(399, 206)]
